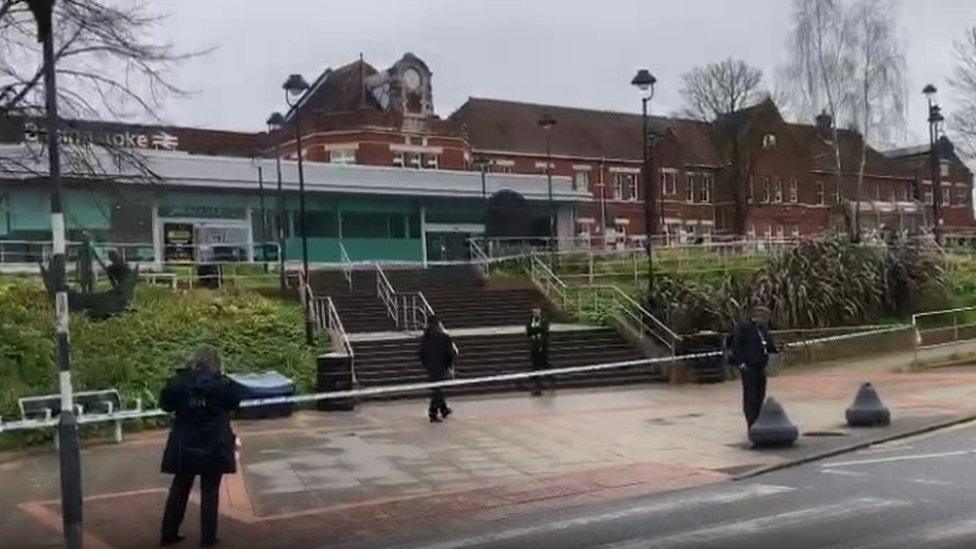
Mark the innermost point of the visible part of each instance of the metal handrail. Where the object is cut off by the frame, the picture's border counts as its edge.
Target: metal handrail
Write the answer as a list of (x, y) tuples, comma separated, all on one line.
[(346, 265), (550, 283), (386, 294), (337, 334), (480, 257)]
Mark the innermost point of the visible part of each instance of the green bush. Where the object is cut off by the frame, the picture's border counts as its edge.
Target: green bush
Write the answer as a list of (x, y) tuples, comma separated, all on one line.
[(138, 351)]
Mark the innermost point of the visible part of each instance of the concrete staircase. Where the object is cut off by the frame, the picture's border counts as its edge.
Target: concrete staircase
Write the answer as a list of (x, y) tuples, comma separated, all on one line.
[(395, 361), (462, 299), (359, 308)]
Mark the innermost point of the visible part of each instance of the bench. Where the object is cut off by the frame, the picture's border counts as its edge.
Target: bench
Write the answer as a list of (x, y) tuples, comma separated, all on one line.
[(46, 407), (164, 279)]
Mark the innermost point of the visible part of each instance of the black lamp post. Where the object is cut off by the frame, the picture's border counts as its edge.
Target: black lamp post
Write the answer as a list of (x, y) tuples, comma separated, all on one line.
[(547, 123), (294, 88), (645, 81), (275, 123), (935, 119), (69, 454)]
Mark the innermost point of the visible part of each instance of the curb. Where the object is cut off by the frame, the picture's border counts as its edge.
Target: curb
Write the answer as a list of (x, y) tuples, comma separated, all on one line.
[(853, 447)]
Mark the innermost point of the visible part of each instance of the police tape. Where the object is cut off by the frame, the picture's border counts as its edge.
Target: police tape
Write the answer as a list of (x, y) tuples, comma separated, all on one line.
[(124, 415)]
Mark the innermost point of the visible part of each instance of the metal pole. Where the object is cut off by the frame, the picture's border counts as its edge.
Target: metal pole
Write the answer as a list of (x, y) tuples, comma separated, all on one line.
[(281, 227), (552, 205), (648, 201), (70, 457), (264, 218), (309, 332)]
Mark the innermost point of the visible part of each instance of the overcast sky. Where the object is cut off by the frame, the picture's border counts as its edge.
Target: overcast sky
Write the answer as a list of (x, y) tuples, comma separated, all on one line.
[(568, 52)]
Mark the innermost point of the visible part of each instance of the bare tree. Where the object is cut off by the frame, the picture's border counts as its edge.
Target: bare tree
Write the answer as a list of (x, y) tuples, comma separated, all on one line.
[(878, 106), (820, 69), (107, 65), (720, 88), (963, 83)]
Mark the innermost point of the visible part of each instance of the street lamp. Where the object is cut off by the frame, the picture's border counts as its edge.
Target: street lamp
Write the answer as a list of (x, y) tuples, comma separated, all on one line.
[(294, 88), (935, 119), (69, 453), (275, 122), (547, 123), (645, 81)]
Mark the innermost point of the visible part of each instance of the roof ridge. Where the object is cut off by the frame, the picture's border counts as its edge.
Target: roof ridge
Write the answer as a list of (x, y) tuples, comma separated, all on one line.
[(583, 109)]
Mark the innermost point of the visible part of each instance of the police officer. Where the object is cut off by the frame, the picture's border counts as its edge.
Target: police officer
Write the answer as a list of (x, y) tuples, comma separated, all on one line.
[(437, 353), (201, 442), (537, 330), (750, 349)]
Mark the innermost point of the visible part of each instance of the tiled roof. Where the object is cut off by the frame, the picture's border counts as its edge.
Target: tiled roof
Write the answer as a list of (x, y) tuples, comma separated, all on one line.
[(498, 125), (823, 156), (339, 90)]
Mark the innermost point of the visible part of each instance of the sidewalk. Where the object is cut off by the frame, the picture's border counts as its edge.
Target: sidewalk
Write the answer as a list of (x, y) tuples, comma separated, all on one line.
[(324, 478)]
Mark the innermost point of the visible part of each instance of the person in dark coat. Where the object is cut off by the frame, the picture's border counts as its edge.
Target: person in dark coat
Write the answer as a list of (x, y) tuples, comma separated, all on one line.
[(201, 442), (751, 346), (537, 330), (437, 353), (117, 270)]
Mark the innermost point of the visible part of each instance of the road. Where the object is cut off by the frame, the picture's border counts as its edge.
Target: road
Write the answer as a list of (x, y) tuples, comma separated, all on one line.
[(912, 493)]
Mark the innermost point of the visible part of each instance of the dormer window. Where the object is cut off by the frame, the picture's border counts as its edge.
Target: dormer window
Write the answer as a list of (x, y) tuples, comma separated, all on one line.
[(769, 141)]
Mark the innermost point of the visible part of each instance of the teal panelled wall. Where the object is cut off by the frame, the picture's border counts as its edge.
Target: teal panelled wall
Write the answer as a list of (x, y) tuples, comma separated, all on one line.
[(359, 249), (30, 210)]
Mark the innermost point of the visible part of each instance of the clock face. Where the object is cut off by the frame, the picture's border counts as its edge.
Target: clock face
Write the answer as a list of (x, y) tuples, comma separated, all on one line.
[(412, 79)]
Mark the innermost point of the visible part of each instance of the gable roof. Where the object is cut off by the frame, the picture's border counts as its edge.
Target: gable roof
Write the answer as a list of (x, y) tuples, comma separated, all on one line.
[(511, 126), (338, 90)]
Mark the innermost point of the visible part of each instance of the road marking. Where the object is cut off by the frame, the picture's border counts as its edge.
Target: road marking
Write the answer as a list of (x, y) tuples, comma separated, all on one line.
[(843, 473), (964, 529), (933, 482), (909, 457), (680, 502), (781, 521)]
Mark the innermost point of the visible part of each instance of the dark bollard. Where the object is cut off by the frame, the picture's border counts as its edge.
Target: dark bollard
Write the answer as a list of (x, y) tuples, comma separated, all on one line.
[(772, 427), (867, 409), (334, 373)]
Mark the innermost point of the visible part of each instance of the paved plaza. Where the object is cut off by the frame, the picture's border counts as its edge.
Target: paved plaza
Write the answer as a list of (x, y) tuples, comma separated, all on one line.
[(324, 478)]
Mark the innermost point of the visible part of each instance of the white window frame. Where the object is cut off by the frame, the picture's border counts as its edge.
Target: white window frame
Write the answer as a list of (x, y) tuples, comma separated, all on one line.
[(399, 159), (794, 191), (581, 179), (946, 196), (769, 141), (691, 178), (342, 156), (944, 168), (704, 194), (619, 178), (778, 190)]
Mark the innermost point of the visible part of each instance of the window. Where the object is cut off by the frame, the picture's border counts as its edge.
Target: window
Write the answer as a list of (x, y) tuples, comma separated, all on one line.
[(625, 186), (398, 159), (501, 166), (751, 233), (430, 161), (373, 225), (769, 141), (794, 191), (893, 195), (320, 224), (780, 232), (581, 179), (752, 190), (669, 182), (928, 197), (795, 231), (342, 156), (407, 159), (944, 168), (690, 182), (778, 190), (764, 191), (835, 196), (704, 189), (961, 197), (820, 193), (947, 196), (877, 191)]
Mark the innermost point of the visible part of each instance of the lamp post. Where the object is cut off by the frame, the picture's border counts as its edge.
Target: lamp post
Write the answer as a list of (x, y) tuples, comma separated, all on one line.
[(69, 454), (275, 122), (547, 123), (935, 118), (294, 88), (645, 81)]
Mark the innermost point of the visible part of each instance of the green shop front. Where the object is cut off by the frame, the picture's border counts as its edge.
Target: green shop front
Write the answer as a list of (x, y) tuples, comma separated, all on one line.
[(209, 208)]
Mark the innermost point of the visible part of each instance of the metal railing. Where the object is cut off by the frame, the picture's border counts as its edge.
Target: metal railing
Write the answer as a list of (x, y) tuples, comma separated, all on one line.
[(945, 327), (385, 292), (410, 311), (346, 265), (31, 252), (480, 258), (597, 302)]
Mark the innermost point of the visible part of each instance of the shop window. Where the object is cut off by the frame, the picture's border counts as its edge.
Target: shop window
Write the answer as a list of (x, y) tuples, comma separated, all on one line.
[(319, 224), (373, 225), (625, 186), (343, 156)]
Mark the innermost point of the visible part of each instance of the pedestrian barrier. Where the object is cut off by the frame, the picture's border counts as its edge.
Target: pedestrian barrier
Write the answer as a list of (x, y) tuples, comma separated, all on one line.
[(43, 409), (123, 415)]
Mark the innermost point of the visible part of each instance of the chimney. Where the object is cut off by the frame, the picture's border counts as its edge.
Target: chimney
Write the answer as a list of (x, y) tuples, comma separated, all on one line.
[(824, 124)]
